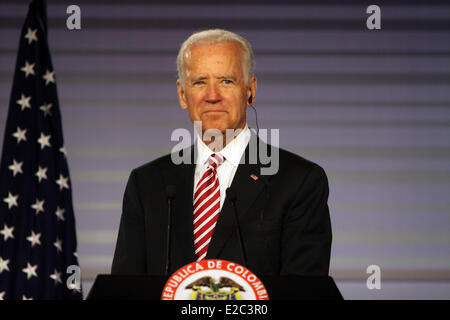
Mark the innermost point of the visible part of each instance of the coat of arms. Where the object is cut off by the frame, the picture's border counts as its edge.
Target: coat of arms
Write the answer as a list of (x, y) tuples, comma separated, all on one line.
[(207, 288)]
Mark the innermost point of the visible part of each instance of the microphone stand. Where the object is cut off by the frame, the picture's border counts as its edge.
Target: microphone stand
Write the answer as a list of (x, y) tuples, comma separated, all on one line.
[(170, 191), (231, 196)]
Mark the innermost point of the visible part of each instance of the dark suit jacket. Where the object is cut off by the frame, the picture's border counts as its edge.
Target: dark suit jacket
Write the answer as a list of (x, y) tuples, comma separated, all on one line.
[(284, 219)]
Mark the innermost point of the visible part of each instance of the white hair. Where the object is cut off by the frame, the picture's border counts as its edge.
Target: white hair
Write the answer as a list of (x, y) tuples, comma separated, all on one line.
[(215, 36)]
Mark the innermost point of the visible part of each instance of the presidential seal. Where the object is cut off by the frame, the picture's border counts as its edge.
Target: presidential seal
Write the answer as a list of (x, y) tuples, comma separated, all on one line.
[(214, 280)]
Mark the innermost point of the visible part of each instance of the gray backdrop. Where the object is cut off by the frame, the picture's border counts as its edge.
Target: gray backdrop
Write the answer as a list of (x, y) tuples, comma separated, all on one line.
[(371, 107)]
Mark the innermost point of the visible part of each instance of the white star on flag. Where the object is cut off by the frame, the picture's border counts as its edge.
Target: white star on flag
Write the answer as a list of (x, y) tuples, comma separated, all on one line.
[(24, 298), (63, 150), (41, 173), (24, 102), (2, 295), (60, 213), (16, 167), (31, 35), (58, 245), (30, 270), (38, 206), (46, 109), (56, 276), (4, 265), (49, 77), (20, 135), (28, 69), (43, 141), (74, 286), (34, 239), (11, 200), (7, 232), (63, 182)]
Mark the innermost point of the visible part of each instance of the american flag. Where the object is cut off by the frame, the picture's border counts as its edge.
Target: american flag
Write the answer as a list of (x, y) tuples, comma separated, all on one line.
[(37, 226)]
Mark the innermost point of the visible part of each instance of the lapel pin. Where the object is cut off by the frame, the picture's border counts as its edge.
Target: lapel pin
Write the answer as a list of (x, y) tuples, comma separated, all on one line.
[(254, 177)]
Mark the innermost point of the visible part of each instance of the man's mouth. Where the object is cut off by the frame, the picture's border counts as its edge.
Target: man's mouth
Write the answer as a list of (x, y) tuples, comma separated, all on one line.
[(209, 111)]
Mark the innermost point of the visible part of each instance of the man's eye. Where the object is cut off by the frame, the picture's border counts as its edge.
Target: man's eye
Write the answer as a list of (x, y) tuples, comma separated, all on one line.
[(196, 83), (227, 81)]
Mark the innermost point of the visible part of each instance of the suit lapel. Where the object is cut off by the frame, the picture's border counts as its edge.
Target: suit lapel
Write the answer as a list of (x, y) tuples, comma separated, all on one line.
[(247, 190)]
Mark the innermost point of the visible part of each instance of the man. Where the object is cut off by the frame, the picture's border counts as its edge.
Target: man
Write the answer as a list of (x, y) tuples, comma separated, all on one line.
[(283, 218)]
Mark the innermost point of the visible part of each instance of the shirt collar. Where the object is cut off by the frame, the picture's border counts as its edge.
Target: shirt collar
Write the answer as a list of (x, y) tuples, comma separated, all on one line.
[(232, 152)]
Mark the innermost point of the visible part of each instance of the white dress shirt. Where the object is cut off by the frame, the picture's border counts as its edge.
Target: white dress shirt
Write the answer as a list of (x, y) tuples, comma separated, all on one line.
[(232, 152)]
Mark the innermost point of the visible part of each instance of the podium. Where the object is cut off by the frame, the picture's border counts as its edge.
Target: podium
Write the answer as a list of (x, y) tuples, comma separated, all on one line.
[(144, 287)]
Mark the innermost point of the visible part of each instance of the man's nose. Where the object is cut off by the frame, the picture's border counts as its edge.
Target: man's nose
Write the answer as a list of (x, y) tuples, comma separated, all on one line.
[(213, 94)]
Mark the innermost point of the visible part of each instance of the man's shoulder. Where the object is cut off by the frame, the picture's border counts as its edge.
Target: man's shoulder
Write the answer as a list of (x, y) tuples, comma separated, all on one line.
[(288, 161), (155, 165), (164, 162), (294, 166), (291, 159), (295, 170)]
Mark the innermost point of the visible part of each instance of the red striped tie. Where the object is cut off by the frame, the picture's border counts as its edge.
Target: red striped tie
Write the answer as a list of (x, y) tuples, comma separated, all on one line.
[(206, 206)]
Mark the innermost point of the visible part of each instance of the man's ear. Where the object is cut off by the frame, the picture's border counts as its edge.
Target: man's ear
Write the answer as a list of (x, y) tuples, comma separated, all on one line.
[(181, 96), (251, 92)]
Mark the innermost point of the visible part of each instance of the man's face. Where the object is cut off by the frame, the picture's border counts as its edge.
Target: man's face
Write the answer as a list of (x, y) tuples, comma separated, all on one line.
[(215, 91)]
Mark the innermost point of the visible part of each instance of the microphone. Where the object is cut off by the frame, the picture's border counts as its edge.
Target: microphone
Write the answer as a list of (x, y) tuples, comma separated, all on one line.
[(231, 196), (170, 192)]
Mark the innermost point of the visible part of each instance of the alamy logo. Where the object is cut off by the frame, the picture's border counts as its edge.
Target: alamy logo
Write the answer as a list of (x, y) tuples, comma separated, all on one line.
[(373, 22), (374, 280), (258, 150)]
